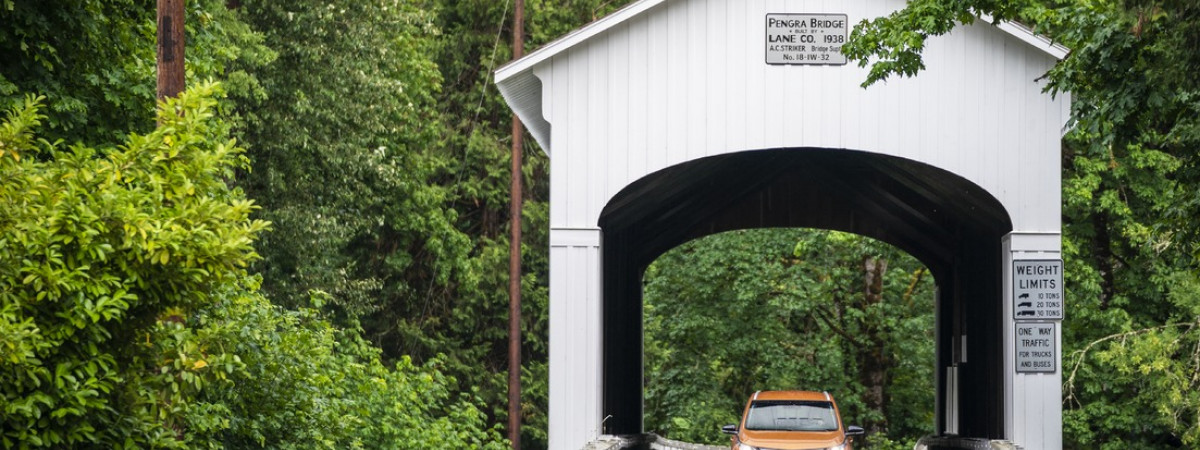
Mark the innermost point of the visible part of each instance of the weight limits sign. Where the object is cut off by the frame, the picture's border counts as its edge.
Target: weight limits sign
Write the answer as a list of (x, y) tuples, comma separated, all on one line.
[(1038, 289), (810, 39)]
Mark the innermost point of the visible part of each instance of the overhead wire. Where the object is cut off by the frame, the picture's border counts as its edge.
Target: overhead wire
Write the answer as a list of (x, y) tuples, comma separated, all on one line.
[(486, 81), (491, 65)]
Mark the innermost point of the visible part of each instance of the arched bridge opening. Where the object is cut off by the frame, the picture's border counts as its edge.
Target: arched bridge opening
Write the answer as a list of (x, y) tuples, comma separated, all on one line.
[(953, 226)]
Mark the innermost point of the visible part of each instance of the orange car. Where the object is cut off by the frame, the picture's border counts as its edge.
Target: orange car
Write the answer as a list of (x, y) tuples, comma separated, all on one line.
[(789, 420)]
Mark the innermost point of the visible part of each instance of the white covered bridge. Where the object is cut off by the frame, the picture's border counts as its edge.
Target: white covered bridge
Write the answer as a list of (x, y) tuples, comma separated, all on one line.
[(670, 120)]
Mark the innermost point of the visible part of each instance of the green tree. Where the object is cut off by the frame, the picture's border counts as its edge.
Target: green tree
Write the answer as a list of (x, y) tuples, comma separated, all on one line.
[(1130, 183), (395, 181), (99, 256), (738, 312), (306, 383), (129, 319), (475, 40), (94, 61)]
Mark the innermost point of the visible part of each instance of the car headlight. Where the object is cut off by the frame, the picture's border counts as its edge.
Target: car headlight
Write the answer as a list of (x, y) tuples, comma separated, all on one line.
[(838, 447), (745, 447)]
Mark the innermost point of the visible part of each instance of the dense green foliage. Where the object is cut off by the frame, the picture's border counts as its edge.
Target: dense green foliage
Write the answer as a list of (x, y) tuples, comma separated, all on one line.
[(1130, 177), (353, 168), (95, 252), (738, 312), (129, 319), (94, 61), (388, 188), (309, 384)]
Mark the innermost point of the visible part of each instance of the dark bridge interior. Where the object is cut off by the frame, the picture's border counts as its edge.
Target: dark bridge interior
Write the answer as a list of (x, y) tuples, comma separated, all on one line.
[(949, 223)]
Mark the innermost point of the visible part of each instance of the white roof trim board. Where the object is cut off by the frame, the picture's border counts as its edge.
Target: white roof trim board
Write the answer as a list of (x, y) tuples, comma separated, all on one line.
[(575, 37), (1029, 37)]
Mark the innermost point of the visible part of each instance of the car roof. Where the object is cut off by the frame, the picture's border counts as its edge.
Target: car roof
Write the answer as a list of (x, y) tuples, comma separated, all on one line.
[(792, 395)]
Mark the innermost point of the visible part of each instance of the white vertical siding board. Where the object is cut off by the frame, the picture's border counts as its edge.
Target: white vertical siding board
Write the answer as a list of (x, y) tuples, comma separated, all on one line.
[(871, 116), (850, 109), (990, 130), (686, 79), (735, 72), (639, 64), (969, 80), (657, 97), (788, 120), (620, 52), (908, 98), (931, 107), (748, 133), (598, 132), (1031, 122), (555, 84), (960, 149), (1013, 85), (1048, 208), (584, 301), (676, 82), (774, 76), (756, 76), (819, 125), (1051, 146), (1053, 149), (581, 305), (695, 79), (577, 127), (558, 401), (593, 327), (1034, 170), (1025, 154), (928, 98), (575, 373), (718, 68)]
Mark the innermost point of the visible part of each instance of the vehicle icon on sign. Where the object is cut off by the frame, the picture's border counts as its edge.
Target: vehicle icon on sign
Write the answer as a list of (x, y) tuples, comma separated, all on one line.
[(1025, 295), (1025, 313), (1025, 305)]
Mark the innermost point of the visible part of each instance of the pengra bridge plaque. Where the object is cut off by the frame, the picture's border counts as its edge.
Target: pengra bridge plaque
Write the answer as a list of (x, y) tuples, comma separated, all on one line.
[(806, 39)]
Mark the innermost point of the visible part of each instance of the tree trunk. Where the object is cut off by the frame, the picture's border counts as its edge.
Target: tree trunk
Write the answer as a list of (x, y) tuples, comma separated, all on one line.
[(874, 361), (1102, 250), (170, 48)]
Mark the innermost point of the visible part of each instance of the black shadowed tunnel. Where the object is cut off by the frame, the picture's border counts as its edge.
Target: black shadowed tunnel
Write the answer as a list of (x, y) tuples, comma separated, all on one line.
[(952, 225)]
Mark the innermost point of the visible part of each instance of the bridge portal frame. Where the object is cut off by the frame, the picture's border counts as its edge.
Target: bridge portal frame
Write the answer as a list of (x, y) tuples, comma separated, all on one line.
[(662, 83)]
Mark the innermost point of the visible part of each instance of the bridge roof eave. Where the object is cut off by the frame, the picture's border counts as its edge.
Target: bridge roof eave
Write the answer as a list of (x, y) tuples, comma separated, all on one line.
[(524, 95)]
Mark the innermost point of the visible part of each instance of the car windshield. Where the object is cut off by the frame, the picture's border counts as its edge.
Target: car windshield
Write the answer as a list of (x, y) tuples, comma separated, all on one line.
[(791, 415)]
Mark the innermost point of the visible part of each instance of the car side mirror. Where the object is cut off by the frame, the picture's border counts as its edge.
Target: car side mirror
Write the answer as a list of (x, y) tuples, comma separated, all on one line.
[(854, 430), (729, 429)]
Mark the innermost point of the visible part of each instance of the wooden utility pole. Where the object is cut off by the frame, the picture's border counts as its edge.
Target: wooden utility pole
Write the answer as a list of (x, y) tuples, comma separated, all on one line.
[(514, 253), (170, 48)]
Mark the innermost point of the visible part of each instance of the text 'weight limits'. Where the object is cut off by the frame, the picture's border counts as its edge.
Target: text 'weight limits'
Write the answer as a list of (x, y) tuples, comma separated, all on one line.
[(1038, 289)]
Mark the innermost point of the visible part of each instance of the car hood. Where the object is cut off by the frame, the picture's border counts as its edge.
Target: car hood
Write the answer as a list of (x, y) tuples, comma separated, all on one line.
[(792, 440)]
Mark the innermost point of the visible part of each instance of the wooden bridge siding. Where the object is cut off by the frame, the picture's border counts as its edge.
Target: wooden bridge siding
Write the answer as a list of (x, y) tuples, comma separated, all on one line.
[(687, 80)]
